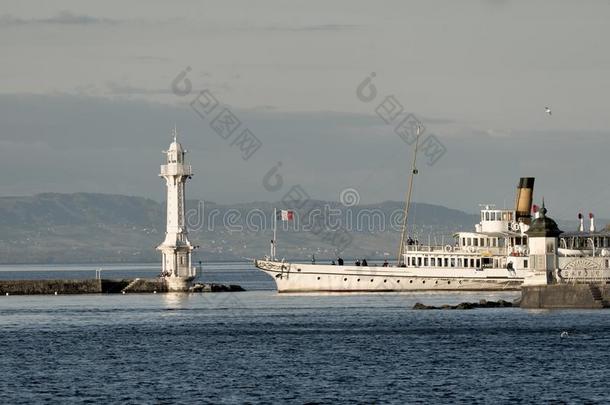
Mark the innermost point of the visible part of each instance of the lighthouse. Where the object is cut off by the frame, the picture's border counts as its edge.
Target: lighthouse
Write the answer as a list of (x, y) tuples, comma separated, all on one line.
[(543, 237), (176, 250)]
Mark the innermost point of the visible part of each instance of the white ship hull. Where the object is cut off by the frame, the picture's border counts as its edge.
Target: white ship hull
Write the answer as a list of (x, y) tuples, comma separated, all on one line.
[(296, 277)]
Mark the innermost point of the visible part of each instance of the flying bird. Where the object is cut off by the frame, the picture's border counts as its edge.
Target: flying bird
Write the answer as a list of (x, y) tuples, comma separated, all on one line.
[(548, 110)]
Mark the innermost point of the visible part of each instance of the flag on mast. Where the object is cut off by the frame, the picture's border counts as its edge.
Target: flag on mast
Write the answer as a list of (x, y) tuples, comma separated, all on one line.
[(285, 215)]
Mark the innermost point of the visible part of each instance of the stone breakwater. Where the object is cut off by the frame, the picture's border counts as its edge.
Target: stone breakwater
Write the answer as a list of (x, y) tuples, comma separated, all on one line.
[(101, 286), (470, 305)]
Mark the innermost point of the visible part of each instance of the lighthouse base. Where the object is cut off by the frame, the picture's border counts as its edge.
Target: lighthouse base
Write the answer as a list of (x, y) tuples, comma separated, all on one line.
[(178, 284)]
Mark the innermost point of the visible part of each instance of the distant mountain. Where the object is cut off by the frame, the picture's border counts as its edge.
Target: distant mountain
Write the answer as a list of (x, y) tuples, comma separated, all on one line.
[(89, 228)]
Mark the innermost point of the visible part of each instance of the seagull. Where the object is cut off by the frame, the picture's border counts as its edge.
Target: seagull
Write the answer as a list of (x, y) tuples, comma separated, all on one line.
[(564, 334), (548, 110)]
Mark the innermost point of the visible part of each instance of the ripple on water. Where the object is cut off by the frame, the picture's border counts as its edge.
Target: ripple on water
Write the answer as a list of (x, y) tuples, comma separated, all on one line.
[(297, 349)]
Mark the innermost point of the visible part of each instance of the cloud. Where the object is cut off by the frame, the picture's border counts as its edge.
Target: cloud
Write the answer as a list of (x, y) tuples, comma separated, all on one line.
[(113, 146), (62, 18), (312, 28), (114, 88), (326, 27), (152, 58)]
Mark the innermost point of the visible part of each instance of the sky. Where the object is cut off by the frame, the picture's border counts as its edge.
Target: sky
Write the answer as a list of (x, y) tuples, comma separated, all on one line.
[(90, 92)]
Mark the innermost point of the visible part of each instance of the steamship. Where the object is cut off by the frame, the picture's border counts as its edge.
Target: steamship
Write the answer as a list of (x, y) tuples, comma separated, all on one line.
[(494, 256), (497, 255)]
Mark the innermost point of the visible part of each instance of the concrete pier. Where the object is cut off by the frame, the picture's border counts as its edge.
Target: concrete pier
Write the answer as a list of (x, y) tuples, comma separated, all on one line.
[(566, 296), (103, 286)]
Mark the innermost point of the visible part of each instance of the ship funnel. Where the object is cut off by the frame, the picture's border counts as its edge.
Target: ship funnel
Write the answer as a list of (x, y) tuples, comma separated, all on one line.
[(525, 194), (592, 219), (581, 223)]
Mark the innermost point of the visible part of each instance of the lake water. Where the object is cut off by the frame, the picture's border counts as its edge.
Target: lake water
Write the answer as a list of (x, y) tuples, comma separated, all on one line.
[(261, 347)]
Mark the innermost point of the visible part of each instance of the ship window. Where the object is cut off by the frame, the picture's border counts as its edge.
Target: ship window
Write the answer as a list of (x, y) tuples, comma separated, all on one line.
[(494, 242), (419, 262), (453, 262), (463, 241), (446, 262), (358, 280), (459, 261), (410, 281), (345, 279), (398, 281), (607, 263), (433, 261), (478, 263), (525, 263), (487, 216), (465, 262), (476, 241), (318, 278), (425, 261)]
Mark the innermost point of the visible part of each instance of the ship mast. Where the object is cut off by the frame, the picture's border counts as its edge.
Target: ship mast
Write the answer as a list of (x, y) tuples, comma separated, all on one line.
[(408, 201)]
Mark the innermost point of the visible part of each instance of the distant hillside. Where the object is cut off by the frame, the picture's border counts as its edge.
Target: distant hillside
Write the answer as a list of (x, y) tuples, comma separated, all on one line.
[(82, 227)]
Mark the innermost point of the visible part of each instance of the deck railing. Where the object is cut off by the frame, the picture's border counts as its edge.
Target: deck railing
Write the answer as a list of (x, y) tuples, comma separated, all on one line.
[(466, 250)]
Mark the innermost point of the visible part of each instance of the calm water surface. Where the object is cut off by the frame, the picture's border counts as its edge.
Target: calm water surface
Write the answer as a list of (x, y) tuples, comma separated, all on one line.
[(261, 347)]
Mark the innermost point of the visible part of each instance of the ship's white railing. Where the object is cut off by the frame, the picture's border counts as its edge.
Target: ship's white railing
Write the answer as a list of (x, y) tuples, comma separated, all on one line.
[(470, 250), (176, 169)]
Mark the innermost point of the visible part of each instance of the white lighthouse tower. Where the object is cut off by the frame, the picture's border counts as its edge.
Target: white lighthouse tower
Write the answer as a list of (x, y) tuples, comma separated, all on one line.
[(176, 248)]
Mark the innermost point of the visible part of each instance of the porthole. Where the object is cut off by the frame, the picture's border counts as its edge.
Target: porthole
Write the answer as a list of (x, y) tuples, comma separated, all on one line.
[(448, 282), (398, 281), (385, 281), (436, 282), (423, 281), (371, 280), (345, 279), (410, 281), (318, 278), (298, 269), (358, 280)]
